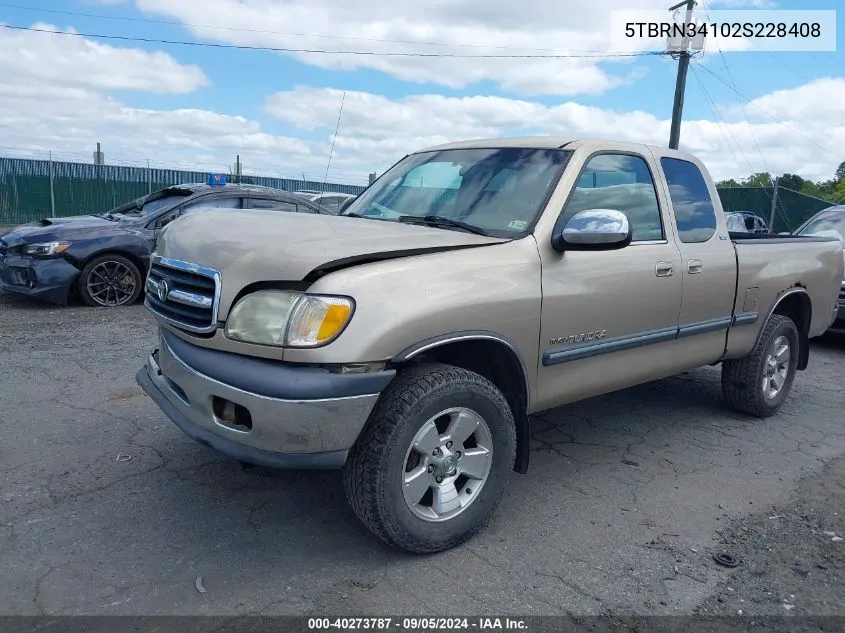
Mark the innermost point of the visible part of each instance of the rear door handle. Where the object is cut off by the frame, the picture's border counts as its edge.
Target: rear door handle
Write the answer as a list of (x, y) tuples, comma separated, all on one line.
[(663, 269), (694, 266)]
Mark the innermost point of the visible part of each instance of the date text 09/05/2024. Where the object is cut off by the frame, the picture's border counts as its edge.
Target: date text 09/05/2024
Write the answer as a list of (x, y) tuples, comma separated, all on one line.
[(723, 29), (418, 624)]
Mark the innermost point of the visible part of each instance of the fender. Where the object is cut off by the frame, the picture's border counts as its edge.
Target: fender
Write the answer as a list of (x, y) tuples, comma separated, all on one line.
[(804, 352), (523, 423)]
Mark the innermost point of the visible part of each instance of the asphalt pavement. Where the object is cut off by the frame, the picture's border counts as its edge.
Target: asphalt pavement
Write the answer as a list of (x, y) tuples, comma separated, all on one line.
[(107, 508)]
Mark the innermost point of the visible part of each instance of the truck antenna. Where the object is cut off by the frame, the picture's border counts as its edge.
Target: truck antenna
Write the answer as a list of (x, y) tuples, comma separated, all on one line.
[(334, 140)]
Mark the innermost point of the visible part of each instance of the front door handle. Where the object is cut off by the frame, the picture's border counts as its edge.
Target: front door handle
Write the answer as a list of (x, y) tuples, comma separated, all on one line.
[(694, 266), (663, 269)]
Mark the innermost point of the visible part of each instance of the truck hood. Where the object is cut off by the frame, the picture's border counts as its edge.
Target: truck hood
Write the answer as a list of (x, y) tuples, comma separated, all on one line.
[(255, 246)]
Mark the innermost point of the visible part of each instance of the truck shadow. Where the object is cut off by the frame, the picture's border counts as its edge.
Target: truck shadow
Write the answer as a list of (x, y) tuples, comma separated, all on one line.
[(617, 434), (667, 446)]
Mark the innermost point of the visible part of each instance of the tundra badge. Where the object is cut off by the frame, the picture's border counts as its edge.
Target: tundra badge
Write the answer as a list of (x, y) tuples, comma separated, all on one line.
[(579, 338)]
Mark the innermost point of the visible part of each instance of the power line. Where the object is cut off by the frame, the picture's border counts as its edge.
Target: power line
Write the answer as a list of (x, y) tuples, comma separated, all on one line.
[(720, 122), (285, 33), (281, 49), (763, 110), (788, 67), (733, 83)]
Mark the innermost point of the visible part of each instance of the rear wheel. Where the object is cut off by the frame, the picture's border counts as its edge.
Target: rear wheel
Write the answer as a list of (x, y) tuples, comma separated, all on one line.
[(759, 383), (110, 281), (434, 461)]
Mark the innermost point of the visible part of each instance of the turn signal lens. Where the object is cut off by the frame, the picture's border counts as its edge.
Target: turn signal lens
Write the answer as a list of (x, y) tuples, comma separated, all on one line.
[(317, 319)]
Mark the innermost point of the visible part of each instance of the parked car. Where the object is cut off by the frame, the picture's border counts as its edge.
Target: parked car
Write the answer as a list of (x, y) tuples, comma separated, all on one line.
[(103, 257), (746, 222), (829, 222), (503, 278), (331, 200), (334, 202), (307, 193)]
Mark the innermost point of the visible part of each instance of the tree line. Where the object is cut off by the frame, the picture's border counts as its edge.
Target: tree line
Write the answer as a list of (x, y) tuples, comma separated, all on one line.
[(832, 190)]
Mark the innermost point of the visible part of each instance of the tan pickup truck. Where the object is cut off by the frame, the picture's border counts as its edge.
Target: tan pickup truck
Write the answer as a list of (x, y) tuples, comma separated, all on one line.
[(407, 340)]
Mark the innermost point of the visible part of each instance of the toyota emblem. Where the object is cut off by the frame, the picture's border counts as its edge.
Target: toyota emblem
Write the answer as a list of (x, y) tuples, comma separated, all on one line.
[(162, 290)]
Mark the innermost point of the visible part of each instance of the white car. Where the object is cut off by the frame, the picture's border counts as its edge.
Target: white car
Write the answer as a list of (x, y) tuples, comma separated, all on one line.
[(829, 222), (330, 200)]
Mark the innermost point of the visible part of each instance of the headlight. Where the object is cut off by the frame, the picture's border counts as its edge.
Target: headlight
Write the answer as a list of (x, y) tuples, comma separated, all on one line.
[(288, 319), (47, 248)]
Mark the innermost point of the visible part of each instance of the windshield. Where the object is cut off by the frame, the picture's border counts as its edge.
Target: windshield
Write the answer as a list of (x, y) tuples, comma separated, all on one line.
[(831, 224), (497, 191), (150, 204)]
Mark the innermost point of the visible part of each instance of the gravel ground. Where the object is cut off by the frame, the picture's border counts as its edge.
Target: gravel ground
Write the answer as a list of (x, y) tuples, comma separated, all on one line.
[(792, 557), (107, 508)]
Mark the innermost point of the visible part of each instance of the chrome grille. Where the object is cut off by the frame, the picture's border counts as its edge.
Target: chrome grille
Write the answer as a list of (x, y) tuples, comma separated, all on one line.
[(184, 294)]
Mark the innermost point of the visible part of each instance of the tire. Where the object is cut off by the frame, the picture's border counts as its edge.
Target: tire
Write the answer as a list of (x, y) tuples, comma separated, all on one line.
[(110, 281), (742, 379), (383, 457)]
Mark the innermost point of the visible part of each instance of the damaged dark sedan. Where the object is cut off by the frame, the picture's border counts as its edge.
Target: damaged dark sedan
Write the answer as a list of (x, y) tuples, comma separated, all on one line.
[(103, 258)]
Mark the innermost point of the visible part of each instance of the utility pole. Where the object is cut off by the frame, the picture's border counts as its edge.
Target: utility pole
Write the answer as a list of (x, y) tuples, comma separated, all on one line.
[(99, 159), (52, 193), (681, 81), (774, 204)]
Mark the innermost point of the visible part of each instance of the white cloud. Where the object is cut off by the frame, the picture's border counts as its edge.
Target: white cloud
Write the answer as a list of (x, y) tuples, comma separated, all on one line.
[(494, 27), (43, 58), (817, 102), (54, 97), (375, 130)]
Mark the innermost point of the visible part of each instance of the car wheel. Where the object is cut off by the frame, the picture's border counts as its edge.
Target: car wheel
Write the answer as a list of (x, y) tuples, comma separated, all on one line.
[(110, 281), (759, 383), (434, 460)]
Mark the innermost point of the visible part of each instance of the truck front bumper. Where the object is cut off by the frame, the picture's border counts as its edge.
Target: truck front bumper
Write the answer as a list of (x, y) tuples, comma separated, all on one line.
[(259, 411), (838, 325)]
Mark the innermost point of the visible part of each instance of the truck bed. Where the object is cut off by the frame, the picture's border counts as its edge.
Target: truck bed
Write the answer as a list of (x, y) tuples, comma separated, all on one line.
[(770, 266)]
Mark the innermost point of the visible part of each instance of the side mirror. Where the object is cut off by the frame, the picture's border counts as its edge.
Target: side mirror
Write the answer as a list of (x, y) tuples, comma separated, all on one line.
[(594, 230)]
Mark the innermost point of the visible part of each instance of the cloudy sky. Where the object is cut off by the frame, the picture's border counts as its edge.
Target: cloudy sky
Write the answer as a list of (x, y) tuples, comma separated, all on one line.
[(422, 73)]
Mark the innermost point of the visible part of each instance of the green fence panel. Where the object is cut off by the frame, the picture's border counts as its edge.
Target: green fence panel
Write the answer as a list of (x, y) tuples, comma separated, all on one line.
[(791, 208), (80, 188)]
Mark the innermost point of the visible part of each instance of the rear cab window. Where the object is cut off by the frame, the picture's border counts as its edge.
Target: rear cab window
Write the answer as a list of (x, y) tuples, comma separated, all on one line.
[(695, 214)]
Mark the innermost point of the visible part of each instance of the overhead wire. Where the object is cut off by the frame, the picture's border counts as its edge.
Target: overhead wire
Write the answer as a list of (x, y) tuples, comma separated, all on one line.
[(285, 49), (773, 117), (281, 33)]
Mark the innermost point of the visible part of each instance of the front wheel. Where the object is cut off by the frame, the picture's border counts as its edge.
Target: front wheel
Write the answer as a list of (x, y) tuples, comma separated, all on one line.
[(758, 383), (110, 281), (434, 461)]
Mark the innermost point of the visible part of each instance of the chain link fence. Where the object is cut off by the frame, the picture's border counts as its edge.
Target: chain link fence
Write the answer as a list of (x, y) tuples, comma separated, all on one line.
[(34, 189)]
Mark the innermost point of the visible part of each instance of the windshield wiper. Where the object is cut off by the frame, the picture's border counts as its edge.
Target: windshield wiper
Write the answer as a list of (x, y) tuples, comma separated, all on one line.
[(437, 221)]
